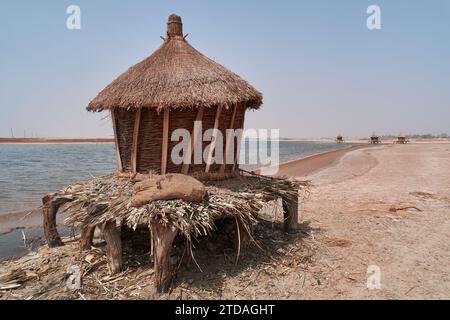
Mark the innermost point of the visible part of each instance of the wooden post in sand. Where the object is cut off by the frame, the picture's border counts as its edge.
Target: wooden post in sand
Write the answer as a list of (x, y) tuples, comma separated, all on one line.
[(162, 244), (49, 211), (111, 234), (290, 208), (87, 238)]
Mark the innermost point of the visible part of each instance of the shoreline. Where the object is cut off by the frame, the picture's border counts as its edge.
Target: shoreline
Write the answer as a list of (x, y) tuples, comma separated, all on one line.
[(366, 207), (314, 163), (10, 221)]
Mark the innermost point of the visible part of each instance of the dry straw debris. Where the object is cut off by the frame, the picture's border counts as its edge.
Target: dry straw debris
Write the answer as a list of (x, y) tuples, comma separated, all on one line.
[(108, 198)]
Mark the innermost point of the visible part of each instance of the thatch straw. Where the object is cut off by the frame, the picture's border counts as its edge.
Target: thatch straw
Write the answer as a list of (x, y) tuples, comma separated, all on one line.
[(176, 76), (109, 199), (12, 279)]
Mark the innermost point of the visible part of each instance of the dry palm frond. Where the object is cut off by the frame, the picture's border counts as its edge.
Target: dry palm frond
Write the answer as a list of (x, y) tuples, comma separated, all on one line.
[(12, 279), (108, 198)]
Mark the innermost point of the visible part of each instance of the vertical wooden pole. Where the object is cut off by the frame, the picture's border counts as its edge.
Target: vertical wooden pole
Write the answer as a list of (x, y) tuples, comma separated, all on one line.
[(162, 238), (290, 208), (49, 211), (111, 235), (134, 146), (193, 141), (165, 142), (227, 141), (116, 140), (238, 145), (213, 139), (87, 237)]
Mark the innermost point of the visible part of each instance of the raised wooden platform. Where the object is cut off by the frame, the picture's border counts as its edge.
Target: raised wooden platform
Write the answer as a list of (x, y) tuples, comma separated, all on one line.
[(240, 198)]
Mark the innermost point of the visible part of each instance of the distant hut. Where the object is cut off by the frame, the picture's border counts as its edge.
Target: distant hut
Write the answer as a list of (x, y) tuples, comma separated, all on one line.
[(339, 138), (375, 139), (401, 139), (169, 90)]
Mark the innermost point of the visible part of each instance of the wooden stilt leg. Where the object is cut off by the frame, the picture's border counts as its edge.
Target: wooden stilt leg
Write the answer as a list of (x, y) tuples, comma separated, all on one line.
[(87, 237), (162, 244), (290, 208), (111, 235), (49, 211)]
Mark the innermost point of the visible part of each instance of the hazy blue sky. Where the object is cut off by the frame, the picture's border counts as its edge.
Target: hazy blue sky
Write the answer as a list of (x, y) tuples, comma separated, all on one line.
[(320, 69)]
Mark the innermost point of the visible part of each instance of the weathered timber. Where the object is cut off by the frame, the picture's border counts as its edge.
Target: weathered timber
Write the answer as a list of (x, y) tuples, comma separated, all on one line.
[(111, 234), (162, 243), (50, 208), (87, 237), (290, 210), (165, 142)]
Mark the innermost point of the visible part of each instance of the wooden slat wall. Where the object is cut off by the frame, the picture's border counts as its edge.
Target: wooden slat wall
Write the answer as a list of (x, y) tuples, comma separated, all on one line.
[(213, 139), (165, 142), (238, 145), (194, 138), (134, 147), (227, 140), (116, 140), (150, 142), (143, 145)]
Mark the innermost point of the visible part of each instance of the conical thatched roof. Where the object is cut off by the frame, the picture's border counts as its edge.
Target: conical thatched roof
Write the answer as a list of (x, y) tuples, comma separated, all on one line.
[(176, 76)]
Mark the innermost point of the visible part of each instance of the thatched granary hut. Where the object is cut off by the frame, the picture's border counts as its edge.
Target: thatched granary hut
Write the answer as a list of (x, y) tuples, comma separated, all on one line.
[(169, 90), (173, 88), (401, 139), (375, 139)]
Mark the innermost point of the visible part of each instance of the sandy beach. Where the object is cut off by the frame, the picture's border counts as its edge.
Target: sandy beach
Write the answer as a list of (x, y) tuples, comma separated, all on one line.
[(386, 206), (314, 163)]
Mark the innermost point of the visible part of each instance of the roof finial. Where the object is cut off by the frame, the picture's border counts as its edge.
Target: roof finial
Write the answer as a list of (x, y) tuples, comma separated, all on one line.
[(174, 26)]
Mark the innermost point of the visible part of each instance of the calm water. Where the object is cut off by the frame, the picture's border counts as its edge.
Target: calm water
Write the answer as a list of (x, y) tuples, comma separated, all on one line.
[(12, 245), (28, 172)]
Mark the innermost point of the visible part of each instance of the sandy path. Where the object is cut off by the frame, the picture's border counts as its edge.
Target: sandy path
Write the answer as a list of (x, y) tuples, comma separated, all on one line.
[(352, 201)]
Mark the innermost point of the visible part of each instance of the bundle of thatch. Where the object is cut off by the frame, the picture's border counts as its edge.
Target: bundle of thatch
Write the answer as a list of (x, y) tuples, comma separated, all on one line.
[(176, 76), (12, 279), (109, 198)]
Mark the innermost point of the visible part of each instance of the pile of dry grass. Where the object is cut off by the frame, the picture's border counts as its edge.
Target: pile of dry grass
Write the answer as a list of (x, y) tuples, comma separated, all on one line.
[(12, 279), (108, 198)]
